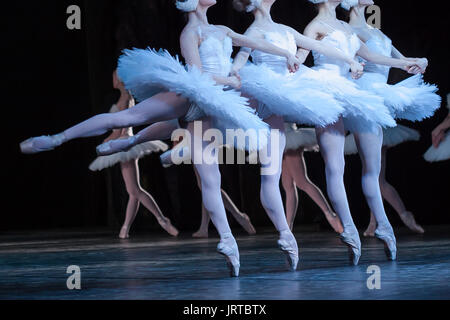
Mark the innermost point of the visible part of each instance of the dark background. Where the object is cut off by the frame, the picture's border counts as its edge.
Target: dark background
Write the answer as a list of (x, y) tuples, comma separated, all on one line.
[(55, 78)]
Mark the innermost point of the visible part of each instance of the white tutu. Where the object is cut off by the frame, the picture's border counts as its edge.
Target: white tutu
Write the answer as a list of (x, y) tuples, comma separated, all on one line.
[(134, 153), (440, 153), (146, 72), (300, 138), (411, 99), (391, 137), (296, 99)]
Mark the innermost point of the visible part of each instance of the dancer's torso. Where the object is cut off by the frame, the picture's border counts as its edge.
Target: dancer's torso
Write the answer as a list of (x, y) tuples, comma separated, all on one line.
[(282, 39), (381, 44), (215, 51), (346, 41)]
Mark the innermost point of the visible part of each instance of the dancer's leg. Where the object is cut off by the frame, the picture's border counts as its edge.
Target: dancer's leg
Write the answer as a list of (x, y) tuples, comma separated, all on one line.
[(391, 195), (203, 231), (331, 141), (210, 182), (157, 131), (240, 217), (290, 189), (132, 210), (369, 146), (271, 194), (296, 162), (130, 173), (161, 107)]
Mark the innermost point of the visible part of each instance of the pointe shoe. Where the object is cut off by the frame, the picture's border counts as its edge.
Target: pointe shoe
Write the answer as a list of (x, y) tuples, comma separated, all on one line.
[(167, 225), (116, 146), (408, 219), (228, 248), (47, 143), (245, 222), (352, 241), (288, 245), (200, 234), (390, 243)]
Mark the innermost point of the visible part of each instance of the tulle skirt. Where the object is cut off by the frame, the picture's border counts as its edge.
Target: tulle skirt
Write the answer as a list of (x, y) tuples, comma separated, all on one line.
[(147, 72), (440, 153), (391, 137), (363, 110), (295, 99), (300, 138), (137, 152), (411, 99)]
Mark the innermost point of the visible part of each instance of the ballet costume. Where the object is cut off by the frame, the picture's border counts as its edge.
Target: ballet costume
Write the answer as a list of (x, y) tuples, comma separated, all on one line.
[(137, 152), (411, 99), (365, 112), (442, 152)]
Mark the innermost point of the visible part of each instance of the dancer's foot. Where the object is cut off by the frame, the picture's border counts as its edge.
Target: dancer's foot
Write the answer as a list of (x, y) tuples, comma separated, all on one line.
[(229, 248), (124, 233), (386, 234), (334, 222), (167, 225), (288, 244), (351, 239), (41, 144), (408, 219), (201, 234), (115, 146), (370, 231), (245, 222)]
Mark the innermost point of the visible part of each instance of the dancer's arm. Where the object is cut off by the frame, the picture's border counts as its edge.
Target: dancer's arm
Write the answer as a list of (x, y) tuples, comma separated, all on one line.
[(376, 58), (241, 40), (422, 63), (438, 133), (244, 54), (309, 44), (190, 42)]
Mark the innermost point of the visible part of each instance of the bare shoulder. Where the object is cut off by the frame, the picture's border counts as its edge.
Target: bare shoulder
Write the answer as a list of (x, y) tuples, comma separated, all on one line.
[(189, 34), (313, 28)]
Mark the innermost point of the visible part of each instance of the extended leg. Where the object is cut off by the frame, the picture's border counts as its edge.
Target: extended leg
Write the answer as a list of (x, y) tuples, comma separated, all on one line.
[(161, 107)]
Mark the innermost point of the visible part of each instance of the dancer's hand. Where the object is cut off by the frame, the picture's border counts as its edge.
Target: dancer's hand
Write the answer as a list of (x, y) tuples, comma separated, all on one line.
[(235, 82), (293, 63), (422, 63), (357, 69)]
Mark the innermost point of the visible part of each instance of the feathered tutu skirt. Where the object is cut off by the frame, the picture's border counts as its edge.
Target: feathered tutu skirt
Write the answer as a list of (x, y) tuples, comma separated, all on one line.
[(440, 153), (411, 99), (137, 152), (147, 72), (363, 110), (300, 138), (295, 99), (391, 137)]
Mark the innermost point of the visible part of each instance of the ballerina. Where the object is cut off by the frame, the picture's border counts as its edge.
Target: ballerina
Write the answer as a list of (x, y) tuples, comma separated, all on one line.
[(207, 50), (411, 99), (130, 170), (361, 117), (440, 150), (294, 175), (391, 137)]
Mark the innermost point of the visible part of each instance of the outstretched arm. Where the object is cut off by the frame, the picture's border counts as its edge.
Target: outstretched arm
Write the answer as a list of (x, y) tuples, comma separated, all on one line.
[(422, 63), (263, 45), (406, 65)]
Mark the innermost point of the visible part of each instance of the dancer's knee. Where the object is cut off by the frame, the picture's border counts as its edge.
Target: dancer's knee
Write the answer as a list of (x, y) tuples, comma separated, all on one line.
[(335, 167)]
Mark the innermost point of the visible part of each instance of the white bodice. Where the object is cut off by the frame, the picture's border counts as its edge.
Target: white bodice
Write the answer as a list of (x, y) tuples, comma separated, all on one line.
[(276, 63), (215, 54), (381, 44), (347, 43)]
